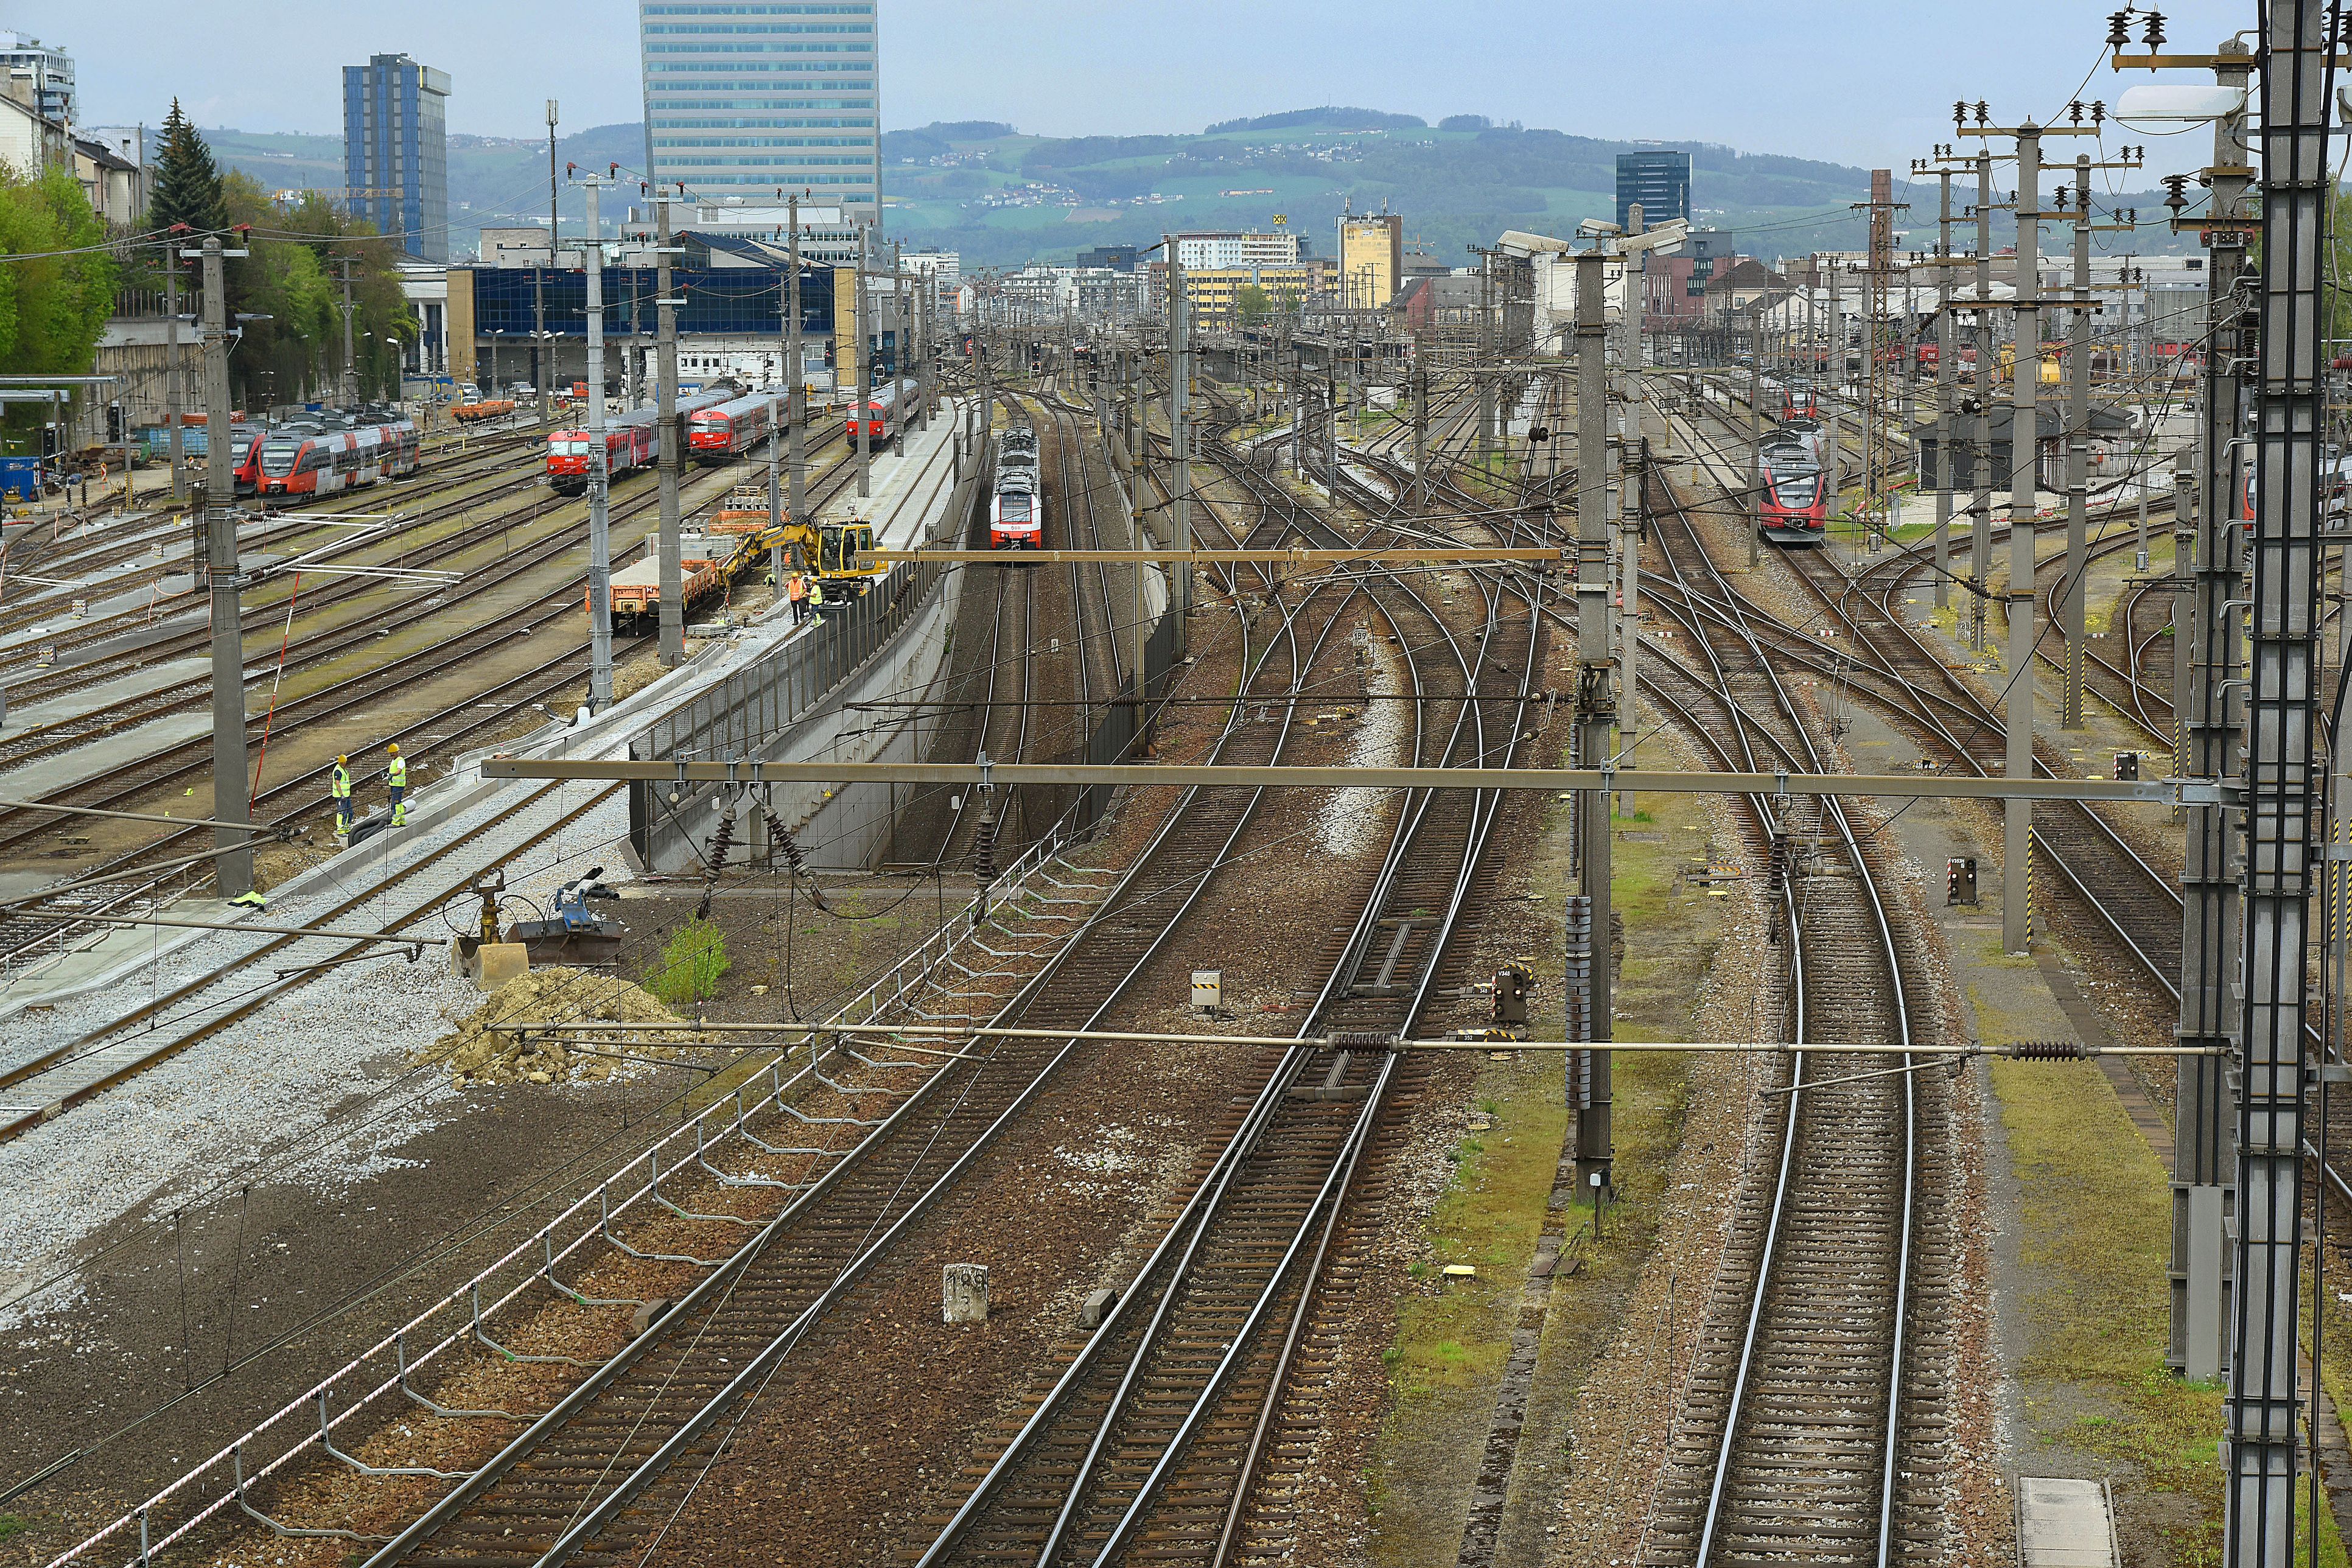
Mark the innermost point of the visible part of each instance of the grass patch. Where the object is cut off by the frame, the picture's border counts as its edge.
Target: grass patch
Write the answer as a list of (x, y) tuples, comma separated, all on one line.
[(1453, 1337), (691, 966), (2098, 1210), (13, 1524)]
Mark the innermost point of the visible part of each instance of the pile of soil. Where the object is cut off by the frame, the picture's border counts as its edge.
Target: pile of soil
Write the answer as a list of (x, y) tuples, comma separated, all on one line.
[(475, 1053)]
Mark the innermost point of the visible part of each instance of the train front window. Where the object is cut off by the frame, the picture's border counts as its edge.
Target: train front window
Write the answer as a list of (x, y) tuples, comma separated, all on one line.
[(572, 448), (277, 457), (1013, 507), (1796, 491)]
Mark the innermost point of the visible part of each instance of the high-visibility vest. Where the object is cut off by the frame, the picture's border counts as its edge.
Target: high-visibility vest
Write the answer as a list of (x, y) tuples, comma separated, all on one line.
[(816, 592), (397, 774), (798, 589), (343, 781)]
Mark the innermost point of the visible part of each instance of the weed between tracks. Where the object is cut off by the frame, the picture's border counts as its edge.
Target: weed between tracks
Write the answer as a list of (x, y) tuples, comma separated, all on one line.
[(1453, 1334), (2096, 1212)]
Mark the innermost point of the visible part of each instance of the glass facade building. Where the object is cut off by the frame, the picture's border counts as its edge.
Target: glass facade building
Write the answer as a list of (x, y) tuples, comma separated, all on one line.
[(1659, 181), (397, 152), (755, 100)]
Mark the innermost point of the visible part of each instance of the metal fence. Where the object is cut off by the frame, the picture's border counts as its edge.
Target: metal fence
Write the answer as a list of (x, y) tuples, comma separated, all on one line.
[(746, 712)]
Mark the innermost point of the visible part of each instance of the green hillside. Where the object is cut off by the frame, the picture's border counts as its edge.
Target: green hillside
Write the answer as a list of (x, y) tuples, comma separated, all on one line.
[(1002, 198), (493, 180)]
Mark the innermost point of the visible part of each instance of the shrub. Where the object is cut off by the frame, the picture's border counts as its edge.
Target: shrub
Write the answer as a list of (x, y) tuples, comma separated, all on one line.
[(691, 965)]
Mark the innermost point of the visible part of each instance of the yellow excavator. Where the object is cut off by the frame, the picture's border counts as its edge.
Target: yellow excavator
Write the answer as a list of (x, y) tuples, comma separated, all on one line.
[(835, 551)]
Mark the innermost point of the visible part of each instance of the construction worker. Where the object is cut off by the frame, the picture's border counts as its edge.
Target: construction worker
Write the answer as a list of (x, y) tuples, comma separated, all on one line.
[(797, 591), (395, 776), (340, 784), (816, 598)]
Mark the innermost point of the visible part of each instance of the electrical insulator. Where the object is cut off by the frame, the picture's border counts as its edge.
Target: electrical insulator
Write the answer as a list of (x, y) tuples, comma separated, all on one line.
[(2118, 30)]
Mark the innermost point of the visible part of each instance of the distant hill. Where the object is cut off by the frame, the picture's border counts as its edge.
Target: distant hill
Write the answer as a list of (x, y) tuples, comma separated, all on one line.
[(1002, 198), (493, 180)]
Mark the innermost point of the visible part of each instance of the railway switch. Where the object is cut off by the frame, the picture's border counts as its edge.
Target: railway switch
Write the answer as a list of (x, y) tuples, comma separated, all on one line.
[(1960, 880)]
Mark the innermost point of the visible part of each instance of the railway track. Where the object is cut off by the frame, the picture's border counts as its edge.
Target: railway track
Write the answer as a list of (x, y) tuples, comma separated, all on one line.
[(1153, 1438), (1813, 1424), (26, 930), (600, 1473)]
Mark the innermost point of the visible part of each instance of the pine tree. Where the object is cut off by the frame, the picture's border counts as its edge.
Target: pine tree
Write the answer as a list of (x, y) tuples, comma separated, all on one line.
[(187, 183)]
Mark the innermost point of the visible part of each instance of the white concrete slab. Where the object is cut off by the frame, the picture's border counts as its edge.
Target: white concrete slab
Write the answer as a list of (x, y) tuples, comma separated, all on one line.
[(103, 754), (2065, 1522), (104, 694)]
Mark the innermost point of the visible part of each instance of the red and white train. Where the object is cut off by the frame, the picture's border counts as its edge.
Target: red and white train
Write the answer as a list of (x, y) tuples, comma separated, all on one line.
[(882, 415), (1016, 518), (1794, 506), (631, 442), (723, 433), (299, 466)]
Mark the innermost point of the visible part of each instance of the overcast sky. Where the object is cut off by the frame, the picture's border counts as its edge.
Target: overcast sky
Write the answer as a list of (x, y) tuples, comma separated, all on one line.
[(1867, 84)]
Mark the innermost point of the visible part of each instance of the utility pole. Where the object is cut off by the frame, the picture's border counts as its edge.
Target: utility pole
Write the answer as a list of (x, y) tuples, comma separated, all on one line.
[(796, 373), (1832, 419), (1596, 700), (351, 366), (542, 372), (233, 872), (1420, 435), (1945, 373), (865, 369), (2283, 779), (2078, 446), (1633, 519), (600, 533), (171, 371), (2017, 814), (2208, 554), (1980, 457), (1180, 433), (1755, 437), (672, 572)]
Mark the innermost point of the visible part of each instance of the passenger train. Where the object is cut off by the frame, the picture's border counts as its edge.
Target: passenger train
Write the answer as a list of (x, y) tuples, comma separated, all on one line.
[(299, 463), (883, 410), (1794, 506), (1016, 508), (726, 431), (631, 441)]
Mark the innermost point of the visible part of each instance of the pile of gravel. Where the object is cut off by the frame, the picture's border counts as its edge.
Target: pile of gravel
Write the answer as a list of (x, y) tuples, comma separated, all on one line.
[(477, 1051)]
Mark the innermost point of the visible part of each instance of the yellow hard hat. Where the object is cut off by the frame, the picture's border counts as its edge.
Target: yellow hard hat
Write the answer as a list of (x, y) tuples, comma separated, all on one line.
[(393, 748), (342, 759)]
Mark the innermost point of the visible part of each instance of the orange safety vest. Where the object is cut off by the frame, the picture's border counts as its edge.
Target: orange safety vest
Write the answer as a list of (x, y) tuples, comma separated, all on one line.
[(797, 590)]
